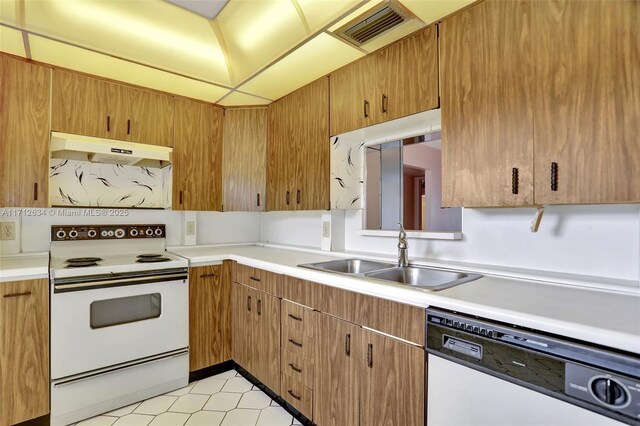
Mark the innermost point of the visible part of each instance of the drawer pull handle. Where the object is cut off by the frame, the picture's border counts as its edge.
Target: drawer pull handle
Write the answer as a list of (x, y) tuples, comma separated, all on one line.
[(26, 293), (554, 176), (259, 306), (208, 276), (366, 108), (293, 317), (293, 395), (180, 198), (298, 197), (249, 303), (258, 199), (35, 191), (296, 369), (128, 127), (287, 197), (293, 342), (514, 181), (347, 344), (254, 279), (108, 123), (384, 103), (370, 356)]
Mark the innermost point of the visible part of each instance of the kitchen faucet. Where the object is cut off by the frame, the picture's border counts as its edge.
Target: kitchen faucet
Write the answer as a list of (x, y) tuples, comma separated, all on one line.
[(403, 247)]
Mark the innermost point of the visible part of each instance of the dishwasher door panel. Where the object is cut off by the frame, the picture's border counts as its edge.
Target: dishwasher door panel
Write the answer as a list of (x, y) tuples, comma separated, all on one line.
[(459, 396)]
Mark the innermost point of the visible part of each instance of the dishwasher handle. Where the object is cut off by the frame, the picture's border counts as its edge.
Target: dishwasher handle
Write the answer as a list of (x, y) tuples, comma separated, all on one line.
[(462, 346)]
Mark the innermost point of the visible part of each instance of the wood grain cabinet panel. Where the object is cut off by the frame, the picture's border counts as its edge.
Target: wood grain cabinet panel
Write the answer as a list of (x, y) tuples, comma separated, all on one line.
[(197, 156), (337, 385), (244, 159), (487, 106), (259, 279), (587, 101), (149, 116), (267, 340), (243, 304), (392, 381), (24, 133), (24, 350), (208, 308), (298, 150)]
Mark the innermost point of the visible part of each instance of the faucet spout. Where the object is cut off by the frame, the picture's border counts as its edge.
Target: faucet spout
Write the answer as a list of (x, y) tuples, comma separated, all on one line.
[(403, 247)]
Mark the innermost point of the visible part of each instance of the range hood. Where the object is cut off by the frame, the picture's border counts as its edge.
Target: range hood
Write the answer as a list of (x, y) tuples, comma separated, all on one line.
[(108, 151)]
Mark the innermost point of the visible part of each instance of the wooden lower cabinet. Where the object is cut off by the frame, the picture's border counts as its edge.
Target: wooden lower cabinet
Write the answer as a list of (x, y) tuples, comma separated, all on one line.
[(256, 334), (24, 350), (209, 305)]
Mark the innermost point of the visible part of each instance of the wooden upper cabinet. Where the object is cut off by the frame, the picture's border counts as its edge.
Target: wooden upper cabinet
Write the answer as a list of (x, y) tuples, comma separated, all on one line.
[(392, 381), (24, 350), (244, 157), (298, 150), (487, 106), (408, 75), (24, 133), (88, 106), (208, 295), (197, 156), (587, 101)]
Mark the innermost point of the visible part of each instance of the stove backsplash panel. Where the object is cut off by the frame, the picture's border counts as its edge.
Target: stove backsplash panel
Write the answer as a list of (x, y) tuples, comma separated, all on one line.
[(86, 184)]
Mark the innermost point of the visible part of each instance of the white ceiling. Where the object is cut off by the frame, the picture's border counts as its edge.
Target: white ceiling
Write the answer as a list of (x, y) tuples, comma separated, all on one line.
[(253, 52)]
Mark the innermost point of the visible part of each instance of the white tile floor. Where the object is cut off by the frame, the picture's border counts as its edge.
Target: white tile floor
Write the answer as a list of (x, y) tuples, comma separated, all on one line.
[(227, 399)]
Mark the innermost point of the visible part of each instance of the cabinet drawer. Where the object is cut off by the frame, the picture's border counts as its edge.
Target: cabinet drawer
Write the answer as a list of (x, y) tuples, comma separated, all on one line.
[(298, 395), (298, 343), (297, 317), (259, 279), (297, 368)]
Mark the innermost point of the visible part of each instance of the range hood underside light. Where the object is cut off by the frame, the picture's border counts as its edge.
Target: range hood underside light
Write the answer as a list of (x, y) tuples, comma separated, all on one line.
[(106, 151)]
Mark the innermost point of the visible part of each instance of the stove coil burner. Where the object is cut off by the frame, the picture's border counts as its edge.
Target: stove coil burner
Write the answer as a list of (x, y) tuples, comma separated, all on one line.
[(81, 264), (156, 259), (74, 260), (147, 256)]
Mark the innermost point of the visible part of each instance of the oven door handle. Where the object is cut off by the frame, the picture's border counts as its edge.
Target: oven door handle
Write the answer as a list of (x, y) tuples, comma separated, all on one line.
[(67, 287)]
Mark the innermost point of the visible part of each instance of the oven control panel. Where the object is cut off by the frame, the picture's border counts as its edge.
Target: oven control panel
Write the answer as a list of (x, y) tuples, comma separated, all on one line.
[(106, 232)]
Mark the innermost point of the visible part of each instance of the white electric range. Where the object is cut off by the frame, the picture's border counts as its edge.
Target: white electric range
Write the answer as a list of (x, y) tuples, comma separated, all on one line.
[(119, 318)]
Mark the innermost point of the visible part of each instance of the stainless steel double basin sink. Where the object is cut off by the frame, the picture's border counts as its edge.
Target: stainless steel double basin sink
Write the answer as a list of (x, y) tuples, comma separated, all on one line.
[(414, 276)]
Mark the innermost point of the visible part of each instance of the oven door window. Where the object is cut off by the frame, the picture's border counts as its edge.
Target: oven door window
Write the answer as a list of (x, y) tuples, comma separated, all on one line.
[(123, 310)]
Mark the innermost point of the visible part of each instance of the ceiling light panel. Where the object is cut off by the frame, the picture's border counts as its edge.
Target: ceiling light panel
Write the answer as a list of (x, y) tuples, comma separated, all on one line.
[(83, 60), (151, 32), (257, 32), (431, 11), (316, 58), (319, 14), (207, 8), (11, 41), (242, 99)]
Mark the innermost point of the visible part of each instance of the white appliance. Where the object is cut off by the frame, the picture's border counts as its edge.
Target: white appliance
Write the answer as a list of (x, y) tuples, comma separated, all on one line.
[(119, 318), (480, 372)]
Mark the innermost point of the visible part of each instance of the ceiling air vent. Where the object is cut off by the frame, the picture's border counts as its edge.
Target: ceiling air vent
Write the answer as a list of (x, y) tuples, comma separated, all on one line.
[(372, 24)]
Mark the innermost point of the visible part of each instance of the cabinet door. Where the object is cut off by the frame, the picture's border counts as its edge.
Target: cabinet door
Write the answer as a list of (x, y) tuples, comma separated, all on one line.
[(354, 96), (311, 133), (243, 305), (587, 101), (281, 155), (244, 159), (336, 387), (408, 73), (24, 133), (24, 350), (266, 346), (392, 381), (80, 105), (197, 156), (487, 106), (149, 116), (207, 309)]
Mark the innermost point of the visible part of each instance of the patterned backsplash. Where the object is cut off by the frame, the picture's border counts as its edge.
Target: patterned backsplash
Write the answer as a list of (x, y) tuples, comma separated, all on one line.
[(86, 184)]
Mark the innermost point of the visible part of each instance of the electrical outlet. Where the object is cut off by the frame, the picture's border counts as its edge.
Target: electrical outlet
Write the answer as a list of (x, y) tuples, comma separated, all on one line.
[(191, 227), (326, 229), (7, 231)]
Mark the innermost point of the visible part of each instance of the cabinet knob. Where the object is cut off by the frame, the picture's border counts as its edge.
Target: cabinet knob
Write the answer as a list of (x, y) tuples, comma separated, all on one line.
[(287, 197), (370, 355), (249, 303), (296, 369), (347, 344), (366, 108), (293, 342), (35, 191), (259, 306), (384, 103), (293, 394), (208, 276), (293, 317), (258, 199), (26, 293), (514, 180), (108, 123), (554, 176), (180, 198), (129, 126), (298, 197)]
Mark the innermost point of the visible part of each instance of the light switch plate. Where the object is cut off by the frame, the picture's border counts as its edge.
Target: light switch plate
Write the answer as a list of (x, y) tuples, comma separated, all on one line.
[(191, 227), (326, 229)]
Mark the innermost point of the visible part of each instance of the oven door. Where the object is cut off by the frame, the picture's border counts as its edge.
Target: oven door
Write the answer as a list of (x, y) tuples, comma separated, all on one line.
[(102, 323)]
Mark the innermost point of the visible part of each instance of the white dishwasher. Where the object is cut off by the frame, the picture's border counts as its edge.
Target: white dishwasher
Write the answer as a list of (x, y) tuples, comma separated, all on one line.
[(481, 372)]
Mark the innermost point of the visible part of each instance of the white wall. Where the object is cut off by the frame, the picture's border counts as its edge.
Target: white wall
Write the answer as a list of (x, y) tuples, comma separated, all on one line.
[(302, 228)]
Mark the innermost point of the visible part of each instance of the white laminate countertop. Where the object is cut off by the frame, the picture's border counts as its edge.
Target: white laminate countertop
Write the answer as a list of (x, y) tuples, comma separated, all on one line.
[(608, 318), (24, 267)]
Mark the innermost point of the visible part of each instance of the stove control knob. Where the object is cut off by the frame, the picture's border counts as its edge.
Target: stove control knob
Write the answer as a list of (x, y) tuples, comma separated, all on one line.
[(119, 233), (61, 234), (133, 232), (92, 233), (609, 392), (73, 233), (104, 233), (158, 232), (110, 233), (149, 232)]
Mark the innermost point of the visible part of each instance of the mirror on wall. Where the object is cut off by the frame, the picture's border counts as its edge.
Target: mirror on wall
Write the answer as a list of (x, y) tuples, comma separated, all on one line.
[(403, 184)]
